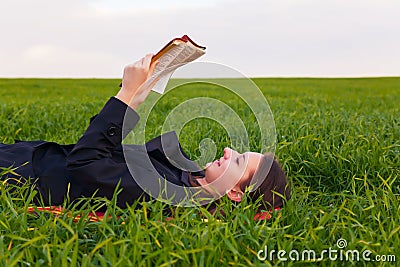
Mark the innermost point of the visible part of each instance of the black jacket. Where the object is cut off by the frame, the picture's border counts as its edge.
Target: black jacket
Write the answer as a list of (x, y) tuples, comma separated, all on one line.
[(96, 164)]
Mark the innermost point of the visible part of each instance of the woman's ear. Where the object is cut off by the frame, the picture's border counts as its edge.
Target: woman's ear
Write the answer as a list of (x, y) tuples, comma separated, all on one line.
[(235, 194)]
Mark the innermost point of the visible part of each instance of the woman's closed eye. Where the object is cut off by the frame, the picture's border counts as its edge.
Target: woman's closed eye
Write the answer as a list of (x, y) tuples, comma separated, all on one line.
[(239, 159)]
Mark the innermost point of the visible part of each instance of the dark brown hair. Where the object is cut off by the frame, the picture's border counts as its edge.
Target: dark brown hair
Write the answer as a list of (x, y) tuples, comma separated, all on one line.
[(274, 189)]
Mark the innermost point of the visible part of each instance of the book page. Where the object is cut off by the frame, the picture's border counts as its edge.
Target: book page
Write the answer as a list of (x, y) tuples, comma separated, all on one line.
[(179, 55), (165, 60), (186, 55)]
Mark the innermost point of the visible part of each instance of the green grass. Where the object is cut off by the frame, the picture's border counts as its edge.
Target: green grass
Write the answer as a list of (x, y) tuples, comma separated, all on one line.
[(337, 139)]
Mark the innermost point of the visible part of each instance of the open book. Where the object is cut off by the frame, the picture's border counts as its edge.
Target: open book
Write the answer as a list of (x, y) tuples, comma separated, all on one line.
[(176, 53)]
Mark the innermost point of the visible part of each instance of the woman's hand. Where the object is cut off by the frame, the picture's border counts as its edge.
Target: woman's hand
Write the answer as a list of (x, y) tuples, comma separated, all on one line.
[(132, 92)]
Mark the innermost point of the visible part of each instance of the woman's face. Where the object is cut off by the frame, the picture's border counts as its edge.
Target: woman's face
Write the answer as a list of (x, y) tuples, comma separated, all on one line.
[(230, 171)]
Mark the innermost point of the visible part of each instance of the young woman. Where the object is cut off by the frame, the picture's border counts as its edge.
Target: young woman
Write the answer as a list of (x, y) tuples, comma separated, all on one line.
[(97, 164)]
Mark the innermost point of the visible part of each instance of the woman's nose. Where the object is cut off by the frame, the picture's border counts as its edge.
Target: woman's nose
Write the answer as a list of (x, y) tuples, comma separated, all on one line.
[(227, 152)]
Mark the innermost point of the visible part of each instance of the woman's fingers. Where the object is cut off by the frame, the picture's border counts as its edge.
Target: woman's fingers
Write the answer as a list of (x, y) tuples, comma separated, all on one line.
[(147, 61), (152, 67)]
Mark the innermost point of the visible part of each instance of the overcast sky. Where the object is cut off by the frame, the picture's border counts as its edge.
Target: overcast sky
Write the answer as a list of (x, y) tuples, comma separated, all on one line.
[(260, 38)]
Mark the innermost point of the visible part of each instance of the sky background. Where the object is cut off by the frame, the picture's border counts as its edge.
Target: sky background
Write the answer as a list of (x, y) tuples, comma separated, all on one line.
[(259, 38)]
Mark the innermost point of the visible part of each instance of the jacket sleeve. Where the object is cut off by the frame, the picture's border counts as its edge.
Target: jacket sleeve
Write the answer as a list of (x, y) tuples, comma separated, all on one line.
[(91, 164)]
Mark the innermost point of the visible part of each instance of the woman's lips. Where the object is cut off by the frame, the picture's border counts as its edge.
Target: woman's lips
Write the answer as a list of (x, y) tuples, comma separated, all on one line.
[(214, 162)]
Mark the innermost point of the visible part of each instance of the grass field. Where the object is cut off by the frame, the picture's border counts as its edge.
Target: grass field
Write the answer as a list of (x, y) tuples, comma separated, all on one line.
[(337, 139)]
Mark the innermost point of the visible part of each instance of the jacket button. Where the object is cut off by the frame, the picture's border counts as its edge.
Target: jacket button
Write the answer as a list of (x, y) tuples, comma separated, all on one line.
[(111, 131)]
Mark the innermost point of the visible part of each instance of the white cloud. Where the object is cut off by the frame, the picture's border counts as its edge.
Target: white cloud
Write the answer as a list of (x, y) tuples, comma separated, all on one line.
[(122, 6), (95, 38), (84, 61)]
